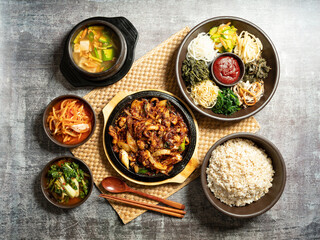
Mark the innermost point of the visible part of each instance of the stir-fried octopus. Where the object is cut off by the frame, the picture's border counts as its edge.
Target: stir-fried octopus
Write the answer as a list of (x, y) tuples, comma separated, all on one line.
[(150, 136)]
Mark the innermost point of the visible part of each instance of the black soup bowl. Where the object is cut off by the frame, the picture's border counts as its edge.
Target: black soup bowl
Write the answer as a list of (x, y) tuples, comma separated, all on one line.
[(126, 37), (44, 181), (187, 117)]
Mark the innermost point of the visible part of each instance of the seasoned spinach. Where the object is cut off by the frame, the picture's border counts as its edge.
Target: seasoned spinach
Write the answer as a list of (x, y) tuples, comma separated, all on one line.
[(227, 102)]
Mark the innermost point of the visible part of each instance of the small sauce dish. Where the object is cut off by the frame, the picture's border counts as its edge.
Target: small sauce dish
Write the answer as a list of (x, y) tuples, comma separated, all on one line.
[(227, 69)]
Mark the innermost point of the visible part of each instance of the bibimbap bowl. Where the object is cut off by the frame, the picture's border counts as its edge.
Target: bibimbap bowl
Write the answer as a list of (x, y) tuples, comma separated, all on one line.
[(268, 52)]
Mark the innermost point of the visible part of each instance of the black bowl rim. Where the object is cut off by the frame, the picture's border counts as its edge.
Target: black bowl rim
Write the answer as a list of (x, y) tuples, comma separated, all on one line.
[(43, 173), (46, 112), (252, 137), (199, 108), (101, 22), (185, 112), (238, 59)]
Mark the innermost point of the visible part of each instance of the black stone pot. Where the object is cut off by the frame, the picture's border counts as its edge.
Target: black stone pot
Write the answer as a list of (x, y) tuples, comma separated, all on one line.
[(127, 37), (180, 107)]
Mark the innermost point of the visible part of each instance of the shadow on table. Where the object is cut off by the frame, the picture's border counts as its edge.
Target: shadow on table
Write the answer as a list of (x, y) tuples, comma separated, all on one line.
[(42, 201), (42, 138), (199, 207), (57, 57)]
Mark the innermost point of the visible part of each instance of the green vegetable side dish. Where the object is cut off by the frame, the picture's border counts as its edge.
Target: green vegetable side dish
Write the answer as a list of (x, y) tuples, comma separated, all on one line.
[(67, 183), (194, 71), (257, 69), (224, 37), (227, 102)]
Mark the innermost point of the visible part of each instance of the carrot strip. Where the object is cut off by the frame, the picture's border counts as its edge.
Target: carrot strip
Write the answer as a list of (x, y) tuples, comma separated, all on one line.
[(223, 42), (84, 33), (244, 99)]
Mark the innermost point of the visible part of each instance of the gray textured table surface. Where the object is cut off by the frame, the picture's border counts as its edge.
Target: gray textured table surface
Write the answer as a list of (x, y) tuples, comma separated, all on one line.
[(31, 35)]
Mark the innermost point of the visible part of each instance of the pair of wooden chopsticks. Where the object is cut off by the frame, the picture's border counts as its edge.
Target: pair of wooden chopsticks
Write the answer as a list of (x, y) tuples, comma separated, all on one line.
[(166, 210)]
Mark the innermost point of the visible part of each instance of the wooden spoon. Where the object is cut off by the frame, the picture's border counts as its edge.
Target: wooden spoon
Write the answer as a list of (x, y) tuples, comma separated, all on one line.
[(116, 185)]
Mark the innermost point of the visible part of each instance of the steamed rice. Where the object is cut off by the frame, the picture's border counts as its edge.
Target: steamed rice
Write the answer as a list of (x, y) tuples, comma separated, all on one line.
[(239, 172)]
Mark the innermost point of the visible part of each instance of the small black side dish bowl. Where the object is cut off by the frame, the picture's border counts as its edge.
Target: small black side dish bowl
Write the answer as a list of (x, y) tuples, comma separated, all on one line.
[(264, 203), (241, 66), (46, 193), (127, 37), (46, 126), (180, 107)]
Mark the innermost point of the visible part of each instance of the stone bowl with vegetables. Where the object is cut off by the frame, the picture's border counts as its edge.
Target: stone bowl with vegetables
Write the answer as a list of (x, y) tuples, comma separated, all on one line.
[(208, 41), (66, 182), (99, 51), (97, 48)]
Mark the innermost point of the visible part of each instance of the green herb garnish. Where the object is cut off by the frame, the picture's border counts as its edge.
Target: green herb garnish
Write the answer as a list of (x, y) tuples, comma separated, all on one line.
[(227, 102), (143, 170), (182, 146), (91, 36)]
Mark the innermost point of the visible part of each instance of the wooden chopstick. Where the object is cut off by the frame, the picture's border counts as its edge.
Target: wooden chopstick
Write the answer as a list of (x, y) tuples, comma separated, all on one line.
[(166, 210), (147, 204)]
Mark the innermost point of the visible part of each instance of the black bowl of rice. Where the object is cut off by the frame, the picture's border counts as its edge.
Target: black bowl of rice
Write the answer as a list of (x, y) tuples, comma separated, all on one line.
[(243, 175)]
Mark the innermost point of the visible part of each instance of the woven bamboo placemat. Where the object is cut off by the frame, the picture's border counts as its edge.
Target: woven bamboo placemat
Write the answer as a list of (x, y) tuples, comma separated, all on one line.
[(154, 70)]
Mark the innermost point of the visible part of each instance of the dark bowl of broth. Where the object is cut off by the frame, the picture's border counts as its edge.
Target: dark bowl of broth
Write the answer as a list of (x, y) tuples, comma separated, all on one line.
[(72, 202), (97, 48), (99, 51)]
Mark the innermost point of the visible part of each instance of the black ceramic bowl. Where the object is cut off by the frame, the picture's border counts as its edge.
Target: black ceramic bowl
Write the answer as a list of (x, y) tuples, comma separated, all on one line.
[(46, 126), (267, 201), (241, 66), (126, 35), (180, 107), (269, 53), (46, 193), (119, 39)]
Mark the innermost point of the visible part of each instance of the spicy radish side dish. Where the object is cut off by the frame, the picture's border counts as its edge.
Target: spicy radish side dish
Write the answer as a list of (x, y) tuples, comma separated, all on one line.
[(70, 121)]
